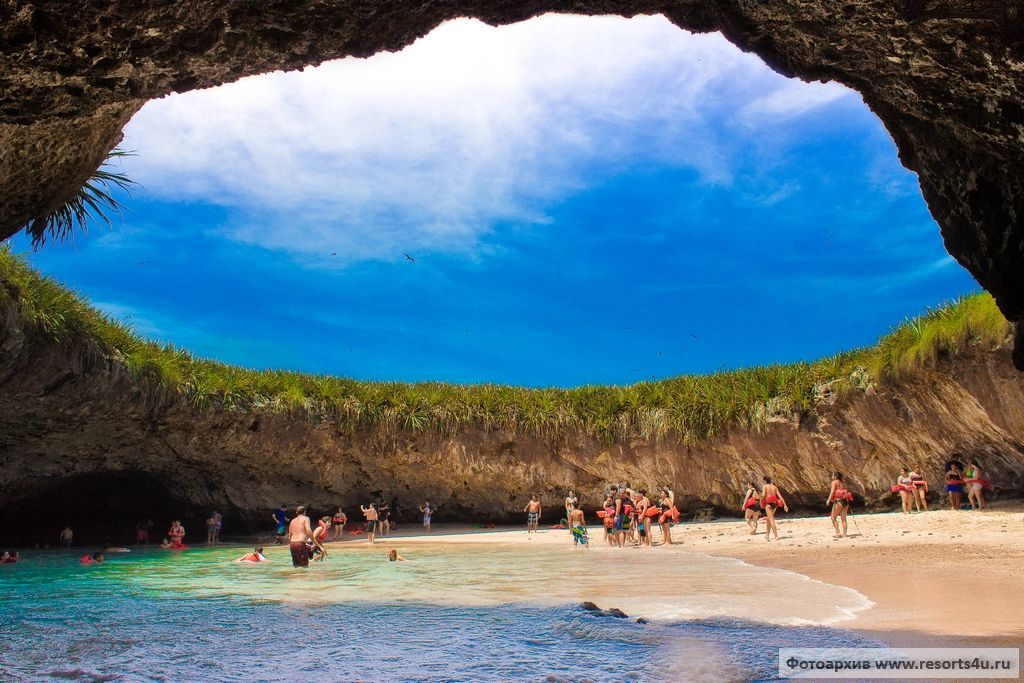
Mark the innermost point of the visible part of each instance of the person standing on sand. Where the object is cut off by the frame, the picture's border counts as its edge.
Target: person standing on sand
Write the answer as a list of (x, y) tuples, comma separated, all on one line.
[(532, 511), (609, 519), (339, 520), (371, 521), (218, 523), (920, 488), (142, 531), (839, 498), (384, 513), (976, 494), (954, 485), (751, 507), (643, 522), (67, 537), (427, 512), (571, 503), (771, 498), (905, 487), (211, 529), (299, 531), (666, 517), (578, 528), (280, 518)]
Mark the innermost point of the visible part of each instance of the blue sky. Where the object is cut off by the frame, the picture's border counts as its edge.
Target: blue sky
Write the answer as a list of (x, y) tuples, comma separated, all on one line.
[(587, 200)]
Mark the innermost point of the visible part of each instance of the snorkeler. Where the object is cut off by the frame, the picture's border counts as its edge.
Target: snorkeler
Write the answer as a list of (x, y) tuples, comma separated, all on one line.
[(96, 558), (299, 532), (751, 507), (532, 510), (839, 498), (255, 556), (771, 498)]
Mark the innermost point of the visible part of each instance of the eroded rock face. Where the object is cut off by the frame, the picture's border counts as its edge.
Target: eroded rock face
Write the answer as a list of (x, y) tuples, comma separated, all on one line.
[(946, 78), (73, 424)]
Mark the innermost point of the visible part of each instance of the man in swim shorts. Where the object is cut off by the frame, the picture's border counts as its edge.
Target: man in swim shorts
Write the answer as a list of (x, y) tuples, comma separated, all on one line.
[(371, 521), (578, 528), (298, 532), (532, 511)]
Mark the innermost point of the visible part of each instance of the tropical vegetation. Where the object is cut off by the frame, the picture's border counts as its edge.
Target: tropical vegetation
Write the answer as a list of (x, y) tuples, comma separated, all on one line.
[(690, 408)]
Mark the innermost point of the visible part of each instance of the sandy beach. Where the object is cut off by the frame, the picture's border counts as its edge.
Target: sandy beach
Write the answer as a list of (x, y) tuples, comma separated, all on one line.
[(935, 578)]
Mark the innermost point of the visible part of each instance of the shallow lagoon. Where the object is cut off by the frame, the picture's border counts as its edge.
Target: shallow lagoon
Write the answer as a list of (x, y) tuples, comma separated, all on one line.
[(454, 612)]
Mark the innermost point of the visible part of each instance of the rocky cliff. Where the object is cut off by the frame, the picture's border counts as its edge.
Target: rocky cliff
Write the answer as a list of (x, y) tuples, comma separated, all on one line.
[(83, 441)]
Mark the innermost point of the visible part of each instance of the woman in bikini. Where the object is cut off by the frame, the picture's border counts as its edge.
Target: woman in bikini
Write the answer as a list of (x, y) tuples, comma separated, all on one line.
[(976, 494), (839, 498), (751, 507), (666, 518), (954, 485), (339, 521), (905, 487), (920, 489), (771, 498)]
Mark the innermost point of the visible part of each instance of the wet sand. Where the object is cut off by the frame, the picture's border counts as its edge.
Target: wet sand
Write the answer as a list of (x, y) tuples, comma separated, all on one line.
[(935, 578)]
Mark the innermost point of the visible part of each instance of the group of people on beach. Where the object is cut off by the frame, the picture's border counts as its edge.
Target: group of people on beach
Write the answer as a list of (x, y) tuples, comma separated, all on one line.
[(913, 487), (763, 501), (306, 544), (629, 516)]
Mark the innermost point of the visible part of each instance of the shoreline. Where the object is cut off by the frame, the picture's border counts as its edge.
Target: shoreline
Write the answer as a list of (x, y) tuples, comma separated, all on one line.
[(939, 578)]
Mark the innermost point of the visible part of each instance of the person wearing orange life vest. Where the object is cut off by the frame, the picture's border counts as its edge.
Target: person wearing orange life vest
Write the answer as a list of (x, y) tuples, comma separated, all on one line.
[(839, 498), (920, 489), (255, 556), (905, 487), (751, 507), (771, 498)]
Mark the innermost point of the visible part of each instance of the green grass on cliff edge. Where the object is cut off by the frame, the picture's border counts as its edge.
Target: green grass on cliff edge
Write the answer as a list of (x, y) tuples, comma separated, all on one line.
[(691, 408)]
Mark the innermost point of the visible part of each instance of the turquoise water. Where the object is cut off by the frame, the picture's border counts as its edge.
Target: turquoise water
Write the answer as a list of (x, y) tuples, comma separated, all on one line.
[(154, 615)]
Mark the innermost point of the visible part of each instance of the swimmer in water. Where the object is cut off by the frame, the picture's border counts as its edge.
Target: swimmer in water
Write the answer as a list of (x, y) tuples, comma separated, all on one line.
[(165, 544), (393, 556), (255, 556)]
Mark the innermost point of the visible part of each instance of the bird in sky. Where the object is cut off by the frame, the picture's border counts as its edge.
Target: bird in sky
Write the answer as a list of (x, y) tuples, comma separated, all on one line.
[(410, 258)]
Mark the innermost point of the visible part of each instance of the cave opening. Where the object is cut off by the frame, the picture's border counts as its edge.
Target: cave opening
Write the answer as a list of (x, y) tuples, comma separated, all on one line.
[(100, 508)]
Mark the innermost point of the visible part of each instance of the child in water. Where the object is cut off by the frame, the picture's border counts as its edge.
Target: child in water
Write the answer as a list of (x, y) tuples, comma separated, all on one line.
[(393, 556)]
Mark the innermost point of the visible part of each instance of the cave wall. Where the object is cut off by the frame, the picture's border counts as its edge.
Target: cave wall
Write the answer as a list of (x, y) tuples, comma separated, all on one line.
[(945, 77), (68, 415)]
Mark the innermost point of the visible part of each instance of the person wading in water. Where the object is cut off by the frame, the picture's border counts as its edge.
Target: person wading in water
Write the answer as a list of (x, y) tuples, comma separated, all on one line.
[(299, 532)]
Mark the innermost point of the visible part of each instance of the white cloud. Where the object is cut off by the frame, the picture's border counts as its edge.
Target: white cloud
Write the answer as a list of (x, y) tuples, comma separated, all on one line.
[(430, 148)]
